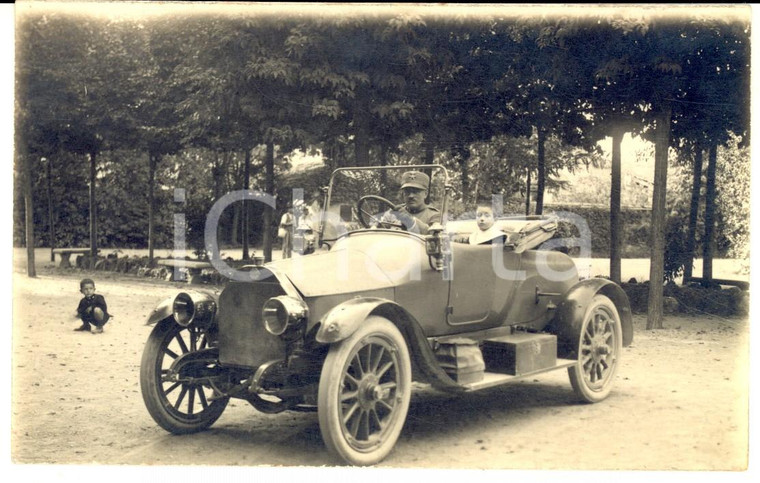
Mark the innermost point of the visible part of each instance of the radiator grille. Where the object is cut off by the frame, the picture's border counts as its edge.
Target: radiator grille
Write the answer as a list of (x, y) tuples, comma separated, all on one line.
[(243, 340)]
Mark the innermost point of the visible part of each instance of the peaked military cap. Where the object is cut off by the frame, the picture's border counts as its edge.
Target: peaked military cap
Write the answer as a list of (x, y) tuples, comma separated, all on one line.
[(415, 179)]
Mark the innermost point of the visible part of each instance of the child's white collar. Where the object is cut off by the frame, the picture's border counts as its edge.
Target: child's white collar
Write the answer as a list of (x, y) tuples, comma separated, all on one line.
[(479, 236)]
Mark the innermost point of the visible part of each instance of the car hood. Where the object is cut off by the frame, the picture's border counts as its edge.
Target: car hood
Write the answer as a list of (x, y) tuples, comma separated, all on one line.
[(334, 272)]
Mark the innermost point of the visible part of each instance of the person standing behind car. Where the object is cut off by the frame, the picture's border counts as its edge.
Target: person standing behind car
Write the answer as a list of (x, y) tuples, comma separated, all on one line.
[(285, 233), (303, 230), (414, 189)]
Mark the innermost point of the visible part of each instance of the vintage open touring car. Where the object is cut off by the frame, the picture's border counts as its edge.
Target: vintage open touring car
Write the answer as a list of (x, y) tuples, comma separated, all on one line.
[(345, 331)]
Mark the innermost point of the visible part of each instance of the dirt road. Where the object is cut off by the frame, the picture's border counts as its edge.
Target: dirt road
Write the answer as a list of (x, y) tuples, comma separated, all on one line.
[(680, 401)]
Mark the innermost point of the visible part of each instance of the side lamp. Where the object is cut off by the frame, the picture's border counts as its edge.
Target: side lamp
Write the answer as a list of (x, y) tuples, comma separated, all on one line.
[(434, 246)]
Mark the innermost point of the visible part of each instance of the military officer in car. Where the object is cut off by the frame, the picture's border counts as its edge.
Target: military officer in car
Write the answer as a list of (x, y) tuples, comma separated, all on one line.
[(415, 214)]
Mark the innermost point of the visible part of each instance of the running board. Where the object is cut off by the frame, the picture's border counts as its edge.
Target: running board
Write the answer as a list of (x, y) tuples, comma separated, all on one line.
[(492, 379)]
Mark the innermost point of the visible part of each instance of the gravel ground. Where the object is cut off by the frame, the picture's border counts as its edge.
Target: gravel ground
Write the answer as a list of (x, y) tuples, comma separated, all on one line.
[(680, 403)]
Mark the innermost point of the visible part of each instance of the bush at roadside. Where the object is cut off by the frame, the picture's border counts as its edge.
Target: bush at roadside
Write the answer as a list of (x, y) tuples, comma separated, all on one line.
[(693, 299)]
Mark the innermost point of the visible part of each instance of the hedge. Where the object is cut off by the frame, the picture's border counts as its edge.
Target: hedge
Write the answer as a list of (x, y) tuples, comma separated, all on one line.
[(635, 227)]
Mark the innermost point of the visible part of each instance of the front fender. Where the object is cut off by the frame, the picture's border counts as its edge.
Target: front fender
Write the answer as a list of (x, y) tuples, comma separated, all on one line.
[(345, 318), (162, 311), (569, 314)]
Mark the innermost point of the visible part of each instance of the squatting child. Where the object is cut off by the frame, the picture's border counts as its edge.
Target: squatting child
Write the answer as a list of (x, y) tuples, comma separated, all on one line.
[(92, 308)]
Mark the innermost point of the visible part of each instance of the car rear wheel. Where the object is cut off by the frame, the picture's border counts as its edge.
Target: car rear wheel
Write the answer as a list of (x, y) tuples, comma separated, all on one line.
[(364, 393), (599, 349), (174, 378)]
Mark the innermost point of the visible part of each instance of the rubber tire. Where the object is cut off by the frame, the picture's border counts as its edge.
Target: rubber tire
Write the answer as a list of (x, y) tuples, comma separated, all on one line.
[(330, 385), (152, 389), (579, 383)]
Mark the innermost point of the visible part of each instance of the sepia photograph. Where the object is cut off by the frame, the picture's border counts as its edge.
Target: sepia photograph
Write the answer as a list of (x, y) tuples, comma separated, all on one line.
[(265, 238)]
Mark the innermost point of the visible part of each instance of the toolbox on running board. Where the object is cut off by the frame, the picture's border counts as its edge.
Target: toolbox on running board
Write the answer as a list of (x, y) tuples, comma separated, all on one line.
[(520, 353)]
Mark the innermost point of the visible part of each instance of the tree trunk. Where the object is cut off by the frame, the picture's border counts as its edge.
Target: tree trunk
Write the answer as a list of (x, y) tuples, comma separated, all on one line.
[(615, 264), (216, 171), (268, 212), (383, 162), (541, 174), (463, 155), (527, 195), (361, 130), (465, 181), (152, 165), (341, 155), (237, 212), (361, 147), (709, 240), (657, 260), (691, 239), (51, 218), (429, 151), (246, 186), (216, 174), (31, 271), (93, 212)]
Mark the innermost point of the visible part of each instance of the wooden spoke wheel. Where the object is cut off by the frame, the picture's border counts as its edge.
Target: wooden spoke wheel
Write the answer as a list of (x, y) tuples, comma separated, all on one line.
[(364, 393), (176, 375), (599, 349)]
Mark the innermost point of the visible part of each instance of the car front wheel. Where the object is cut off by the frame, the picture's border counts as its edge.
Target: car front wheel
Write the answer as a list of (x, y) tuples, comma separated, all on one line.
[(599, 349), (364, 393), (175, 373)]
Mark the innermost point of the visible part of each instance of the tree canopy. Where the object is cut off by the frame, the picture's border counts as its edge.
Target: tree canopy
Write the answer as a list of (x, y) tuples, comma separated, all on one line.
[(482, 93)]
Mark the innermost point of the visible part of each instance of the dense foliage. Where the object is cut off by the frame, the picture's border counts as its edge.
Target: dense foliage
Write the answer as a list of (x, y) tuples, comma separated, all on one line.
[(159, 102), (733, 210)]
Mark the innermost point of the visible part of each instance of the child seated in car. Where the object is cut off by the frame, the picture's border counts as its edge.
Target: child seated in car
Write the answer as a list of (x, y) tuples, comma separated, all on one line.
[(487, 232)]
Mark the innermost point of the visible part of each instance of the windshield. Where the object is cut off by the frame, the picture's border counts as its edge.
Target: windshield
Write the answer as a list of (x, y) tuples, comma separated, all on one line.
[(359, 198)]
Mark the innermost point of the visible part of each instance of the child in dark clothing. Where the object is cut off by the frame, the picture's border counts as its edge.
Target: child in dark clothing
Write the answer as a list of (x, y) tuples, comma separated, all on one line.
[(92, 308)]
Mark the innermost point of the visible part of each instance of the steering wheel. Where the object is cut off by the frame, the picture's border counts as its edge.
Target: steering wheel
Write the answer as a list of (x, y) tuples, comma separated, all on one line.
[(367, 219)]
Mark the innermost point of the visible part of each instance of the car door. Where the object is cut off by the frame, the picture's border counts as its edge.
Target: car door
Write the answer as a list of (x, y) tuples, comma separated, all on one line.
[(482, 282)]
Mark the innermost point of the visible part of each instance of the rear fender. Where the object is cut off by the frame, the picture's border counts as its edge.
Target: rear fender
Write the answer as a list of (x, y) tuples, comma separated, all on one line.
[(569, 314), (343, 320), (162, 311)]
